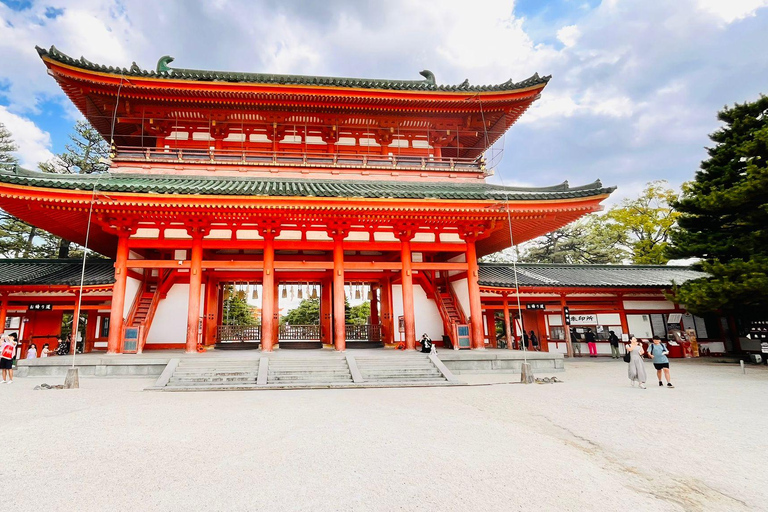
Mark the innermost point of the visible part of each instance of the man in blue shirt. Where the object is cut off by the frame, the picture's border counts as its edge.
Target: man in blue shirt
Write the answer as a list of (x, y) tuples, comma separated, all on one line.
[(658, 353)]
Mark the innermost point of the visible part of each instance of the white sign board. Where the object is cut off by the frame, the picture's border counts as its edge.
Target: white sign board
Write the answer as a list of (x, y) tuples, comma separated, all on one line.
[(583, 319)]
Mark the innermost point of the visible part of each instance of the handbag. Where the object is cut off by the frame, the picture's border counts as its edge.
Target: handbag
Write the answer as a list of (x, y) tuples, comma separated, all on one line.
[(627, 357)]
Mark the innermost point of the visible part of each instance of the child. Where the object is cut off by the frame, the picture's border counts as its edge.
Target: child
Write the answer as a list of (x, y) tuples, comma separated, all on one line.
[(658, 353), (7, 352)]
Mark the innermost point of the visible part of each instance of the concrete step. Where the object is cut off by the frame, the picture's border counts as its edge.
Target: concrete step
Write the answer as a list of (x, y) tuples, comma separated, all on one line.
[(219, 373), (174, 381)]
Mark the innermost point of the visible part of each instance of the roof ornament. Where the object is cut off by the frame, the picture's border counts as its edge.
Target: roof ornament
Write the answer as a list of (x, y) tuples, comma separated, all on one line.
[(428, 75), (162, 64)]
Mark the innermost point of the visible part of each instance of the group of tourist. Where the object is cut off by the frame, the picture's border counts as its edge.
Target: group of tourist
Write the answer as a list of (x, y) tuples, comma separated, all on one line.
[(657, 352)]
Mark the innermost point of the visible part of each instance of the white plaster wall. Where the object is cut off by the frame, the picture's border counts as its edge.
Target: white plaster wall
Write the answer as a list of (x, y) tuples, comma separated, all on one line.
[(657, 305), (170, 323), (131, 288), (427, 316), (462, 294)]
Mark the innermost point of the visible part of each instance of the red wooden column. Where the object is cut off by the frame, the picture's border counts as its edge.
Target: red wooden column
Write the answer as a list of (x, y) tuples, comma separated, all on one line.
[(374, 304), (75, 321), (90, 330), (211, 310), (339, 324), (195, 285), (623, 316), (490, 322), (566, 328), (268, 295), (475, 306), (326, 309), (387, 330), (406, 279), (3, 313), (118, 296), (508, 324)]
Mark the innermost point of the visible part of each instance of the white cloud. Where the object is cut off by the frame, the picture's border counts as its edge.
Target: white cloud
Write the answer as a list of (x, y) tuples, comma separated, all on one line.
[(732, 10), (569, 35), (34, 143)]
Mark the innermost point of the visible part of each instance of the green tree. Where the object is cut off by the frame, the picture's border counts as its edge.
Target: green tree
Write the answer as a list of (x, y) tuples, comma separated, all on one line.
[(590, 240), (236, 310), (17, 238), (647, 222), (306, 313), (87, 153), (359, 314), (724, 218)]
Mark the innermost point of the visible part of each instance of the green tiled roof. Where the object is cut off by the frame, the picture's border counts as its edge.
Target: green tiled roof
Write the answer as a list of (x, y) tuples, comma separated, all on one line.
[(164, 71), (56, 272), (294, 187), (574, 276)]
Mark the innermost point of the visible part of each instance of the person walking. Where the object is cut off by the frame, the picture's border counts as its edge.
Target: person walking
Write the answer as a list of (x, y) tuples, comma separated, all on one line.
[(534, 341), (659, 353), (614, 341), (636, 370), (7, 352), (589, 336)]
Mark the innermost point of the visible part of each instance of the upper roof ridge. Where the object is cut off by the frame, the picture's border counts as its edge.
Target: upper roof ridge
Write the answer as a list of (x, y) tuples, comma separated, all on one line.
[(163, 70)]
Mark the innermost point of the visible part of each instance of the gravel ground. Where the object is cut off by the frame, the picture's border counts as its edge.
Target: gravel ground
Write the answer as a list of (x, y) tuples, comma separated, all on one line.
[(592, 442)]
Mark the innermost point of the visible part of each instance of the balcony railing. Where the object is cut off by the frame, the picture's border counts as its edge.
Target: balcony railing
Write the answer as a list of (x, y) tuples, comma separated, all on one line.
[(365, 332), (238, 333), (309, 159), (299, 333)]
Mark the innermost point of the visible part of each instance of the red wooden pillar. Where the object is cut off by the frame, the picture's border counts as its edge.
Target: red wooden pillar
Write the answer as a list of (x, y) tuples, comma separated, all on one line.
[(195, 285), (75, 321), (339, 324), (566, 328), (490, 322), (326, 308), (211, 310), (507, 324), (276, 316), (406, 278), (90, 330), (623, 317), (118, 296), (4, 313), (268, 295), (475, 306), (386, 309), (374, 304)]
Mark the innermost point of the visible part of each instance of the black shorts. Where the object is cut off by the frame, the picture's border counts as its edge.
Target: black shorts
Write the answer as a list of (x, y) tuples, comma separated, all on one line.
[(6, 364), (660, 366)]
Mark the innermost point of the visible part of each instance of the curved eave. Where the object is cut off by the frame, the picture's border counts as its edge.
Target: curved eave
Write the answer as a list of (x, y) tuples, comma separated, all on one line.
[(324, 92)]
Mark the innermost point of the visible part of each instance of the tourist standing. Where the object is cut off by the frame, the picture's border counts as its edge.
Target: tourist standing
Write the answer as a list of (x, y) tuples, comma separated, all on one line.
[(32, 352), (659, 353), (636, 370), (46, 350), (575, 342), (589, 336), (614, 341), (7, 352), (534, 341)]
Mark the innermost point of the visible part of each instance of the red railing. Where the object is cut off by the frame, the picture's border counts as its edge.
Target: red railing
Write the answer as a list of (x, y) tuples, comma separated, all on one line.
[(309, 159)]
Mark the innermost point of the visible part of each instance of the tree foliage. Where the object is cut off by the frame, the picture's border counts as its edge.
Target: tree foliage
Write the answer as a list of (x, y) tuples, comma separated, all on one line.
[(7, 148), (236, 310), (646, 222), (590, 240), (359, 314), (306, 313), (724, 217)]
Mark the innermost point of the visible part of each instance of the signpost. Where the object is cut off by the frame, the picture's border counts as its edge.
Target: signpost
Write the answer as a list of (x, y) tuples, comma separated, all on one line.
[(40, 307), (537, 305)]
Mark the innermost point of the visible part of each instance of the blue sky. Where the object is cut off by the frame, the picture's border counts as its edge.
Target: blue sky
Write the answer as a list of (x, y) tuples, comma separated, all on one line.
[(635, 90)]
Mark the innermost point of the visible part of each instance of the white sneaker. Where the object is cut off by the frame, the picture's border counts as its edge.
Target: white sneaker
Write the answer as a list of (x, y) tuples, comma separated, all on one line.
[(2, 382), (10, 382)]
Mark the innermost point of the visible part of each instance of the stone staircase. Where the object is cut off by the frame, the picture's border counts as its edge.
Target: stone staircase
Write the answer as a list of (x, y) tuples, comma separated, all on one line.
[(309, 372), (328, 371), (411, 369)]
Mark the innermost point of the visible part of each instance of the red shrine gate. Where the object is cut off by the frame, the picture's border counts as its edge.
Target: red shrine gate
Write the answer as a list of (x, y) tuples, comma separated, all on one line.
[(218, 177)]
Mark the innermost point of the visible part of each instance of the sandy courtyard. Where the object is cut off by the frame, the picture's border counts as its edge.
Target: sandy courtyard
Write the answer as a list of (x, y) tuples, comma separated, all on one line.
[(592, 442)]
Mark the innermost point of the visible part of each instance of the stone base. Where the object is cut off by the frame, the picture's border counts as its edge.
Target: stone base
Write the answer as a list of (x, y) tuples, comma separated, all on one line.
[(500, 361), (109, 366)]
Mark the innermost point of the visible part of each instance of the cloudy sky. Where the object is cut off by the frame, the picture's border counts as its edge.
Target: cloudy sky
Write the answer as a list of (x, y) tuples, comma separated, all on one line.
[(636, 84)]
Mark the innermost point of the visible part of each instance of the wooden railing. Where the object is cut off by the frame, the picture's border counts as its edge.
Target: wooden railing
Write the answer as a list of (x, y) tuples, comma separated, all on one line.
[(235, 333), (282, 158), (299, 333), (365, 332)]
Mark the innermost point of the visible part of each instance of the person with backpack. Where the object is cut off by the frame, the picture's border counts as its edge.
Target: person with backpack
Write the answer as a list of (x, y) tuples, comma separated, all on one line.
[(7, 352), (658, 353), (614, 341)]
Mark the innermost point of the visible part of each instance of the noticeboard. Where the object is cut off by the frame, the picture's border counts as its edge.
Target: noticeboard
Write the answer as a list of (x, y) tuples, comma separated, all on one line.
[(463, 339), (131, 339)]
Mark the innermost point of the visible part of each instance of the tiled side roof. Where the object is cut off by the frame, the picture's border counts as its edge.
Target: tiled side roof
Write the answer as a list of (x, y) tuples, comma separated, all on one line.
[(657, 276), (292, 187), (164, 71), (55, 272)]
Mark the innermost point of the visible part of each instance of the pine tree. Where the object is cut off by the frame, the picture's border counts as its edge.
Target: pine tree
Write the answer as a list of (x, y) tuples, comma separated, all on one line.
[(7, 148), (724, 219), (87, 153)]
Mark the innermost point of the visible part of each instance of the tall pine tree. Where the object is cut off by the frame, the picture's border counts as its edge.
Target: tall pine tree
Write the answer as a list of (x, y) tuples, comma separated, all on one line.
[(724, 219), (7, 147)]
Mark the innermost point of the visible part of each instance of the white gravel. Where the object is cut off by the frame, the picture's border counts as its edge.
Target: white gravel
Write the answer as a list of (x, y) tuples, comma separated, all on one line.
[(589, 443)]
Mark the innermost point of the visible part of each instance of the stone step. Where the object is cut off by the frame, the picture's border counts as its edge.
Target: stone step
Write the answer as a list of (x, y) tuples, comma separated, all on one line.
[(217, 373), (209, 380), (307, 378)]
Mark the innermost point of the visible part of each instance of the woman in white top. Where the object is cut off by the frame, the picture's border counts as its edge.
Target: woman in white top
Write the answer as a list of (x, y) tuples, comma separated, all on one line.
[(32, 352), (636, 368), (45, 351)]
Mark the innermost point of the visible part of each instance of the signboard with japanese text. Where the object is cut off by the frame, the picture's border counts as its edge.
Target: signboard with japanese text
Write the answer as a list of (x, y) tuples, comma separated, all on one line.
[(582, 320), (40, 307), (536, 306)]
